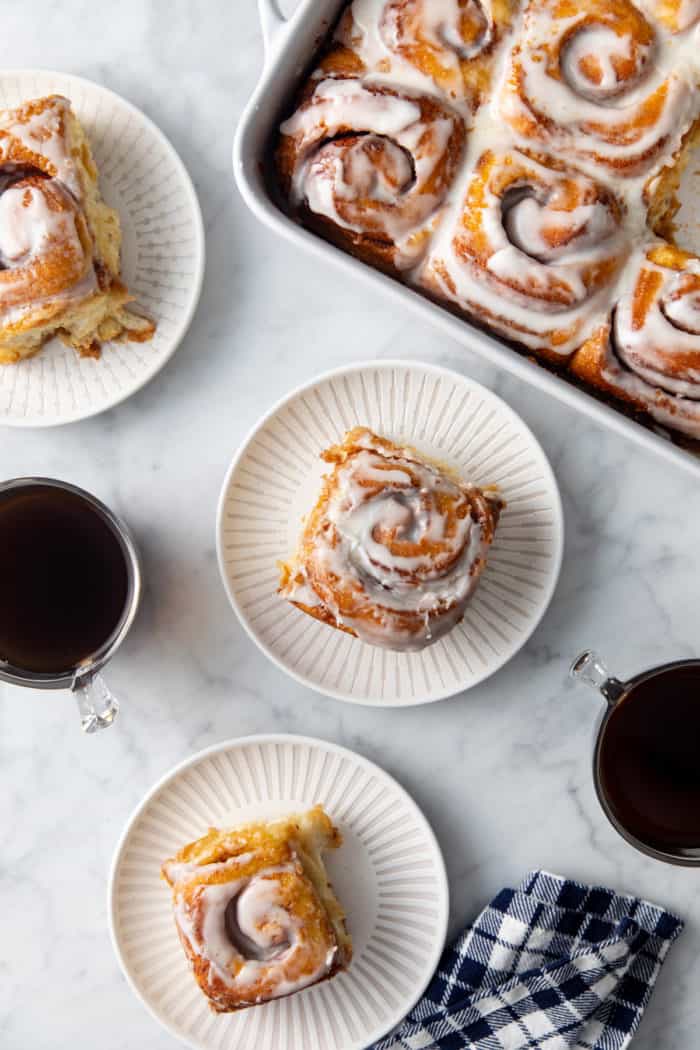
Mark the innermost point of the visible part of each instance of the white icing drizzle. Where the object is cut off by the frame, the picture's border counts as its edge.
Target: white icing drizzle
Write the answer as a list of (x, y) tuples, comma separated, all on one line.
[(374, 180), (654, 356), (438, 23), (253, 944), (44, 259), (662, 343), (43, 133), (179, 871), (400, 549), (420, 43), (581, 232), (42, 256), (26, 222), (650, 353), (545, 232), (592, 98), (605, 49)]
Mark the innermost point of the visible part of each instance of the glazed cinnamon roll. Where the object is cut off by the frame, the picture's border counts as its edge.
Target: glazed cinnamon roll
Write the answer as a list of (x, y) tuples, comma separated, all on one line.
[(394, 547), (59, 242), (583, 78), (370, 167), (255, 911), (448, 42), (648, 355), (534, 251)]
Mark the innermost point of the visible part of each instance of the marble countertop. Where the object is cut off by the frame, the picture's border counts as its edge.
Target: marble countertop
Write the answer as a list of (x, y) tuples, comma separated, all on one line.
[(502, 772)]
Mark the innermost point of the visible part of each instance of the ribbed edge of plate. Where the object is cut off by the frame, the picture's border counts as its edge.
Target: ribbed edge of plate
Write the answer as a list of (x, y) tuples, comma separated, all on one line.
[(389, 874), (141, 176), (274, 480)]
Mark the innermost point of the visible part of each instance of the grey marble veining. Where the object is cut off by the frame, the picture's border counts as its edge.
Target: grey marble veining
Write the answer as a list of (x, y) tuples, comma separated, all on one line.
[(502, 772)]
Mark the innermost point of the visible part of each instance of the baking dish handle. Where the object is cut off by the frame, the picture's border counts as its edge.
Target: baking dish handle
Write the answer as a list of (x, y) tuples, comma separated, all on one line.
[(272, 22)]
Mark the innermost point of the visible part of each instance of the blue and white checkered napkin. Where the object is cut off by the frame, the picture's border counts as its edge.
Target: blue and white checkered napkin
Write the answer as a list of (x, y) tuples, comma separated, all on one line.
[(552, 965)]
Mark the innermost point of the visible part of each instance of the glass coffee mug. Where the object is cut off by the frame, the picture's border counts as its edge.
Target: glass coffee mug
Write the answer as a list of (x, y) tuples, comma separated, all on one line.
[(71, 584), (646, 761)]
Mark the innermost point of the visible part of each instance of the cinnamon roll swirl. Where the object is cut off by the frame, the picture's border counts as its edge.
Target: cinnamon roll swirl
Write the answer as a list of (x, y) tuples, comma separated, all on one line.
[(534, 252), (255, 911), (59, 242), (648, 355), (394, 547), (449, 43), (583, 79), (369, 167)]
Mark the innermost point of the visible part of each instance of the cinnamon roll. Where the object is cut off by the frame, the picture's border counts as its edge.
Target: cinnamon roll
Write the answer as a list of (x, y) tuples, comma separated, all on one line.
[(394, 547), (370, 166), (59, 242), (583, 78), (534, 251), (648, 355), (449, 43), (255, 912)]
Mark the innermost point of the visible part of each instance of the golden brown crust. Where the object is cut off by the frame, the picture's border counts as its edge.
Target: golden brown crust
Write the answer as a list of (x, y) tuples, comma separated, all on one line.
[(60, 240), (620, 143), (390, 231), (588, 364), (542, 301), (457, 58), (648, 354), (280, 862), (373, 476)]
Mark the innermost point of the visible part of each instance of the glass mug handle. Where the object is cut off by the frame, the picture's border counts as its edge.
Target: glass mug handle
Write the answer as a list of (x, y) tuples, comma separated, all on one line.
[(589, 667), (97, 704)]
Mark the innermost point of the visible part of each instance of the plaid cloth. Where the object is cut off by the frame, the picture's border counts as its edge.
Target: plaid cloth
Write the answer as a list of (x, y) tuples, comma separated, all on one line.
[(552, 965)]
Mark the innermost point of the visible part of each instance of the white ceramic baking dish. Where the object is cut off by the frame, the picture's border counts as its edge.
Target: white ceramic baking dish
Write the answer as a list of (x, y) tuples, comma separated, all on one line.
[(290, 45)]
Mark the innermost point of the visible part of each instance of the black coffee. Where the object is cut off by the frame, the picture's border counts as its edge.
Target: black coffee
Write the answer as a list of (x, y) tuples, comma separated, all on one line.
[(649, 760), (64, 581)]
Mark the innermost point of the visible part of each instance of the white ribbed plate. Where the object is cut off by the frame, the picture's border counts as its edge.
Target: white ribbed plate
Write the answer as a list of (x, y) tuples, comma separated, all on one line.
[(142, 177), (389, 875), (275, 479)]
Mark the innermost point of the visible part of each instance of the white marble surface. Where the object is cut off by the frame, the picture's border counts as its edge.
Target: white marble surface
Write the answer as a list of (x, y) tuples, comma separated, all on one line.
[(503, 772)]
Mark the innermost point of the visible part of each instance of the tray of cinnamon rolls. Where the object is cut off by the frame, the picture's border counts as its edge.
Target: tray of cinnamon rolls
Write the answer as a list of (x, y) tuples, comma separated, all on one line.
[(513, 169)]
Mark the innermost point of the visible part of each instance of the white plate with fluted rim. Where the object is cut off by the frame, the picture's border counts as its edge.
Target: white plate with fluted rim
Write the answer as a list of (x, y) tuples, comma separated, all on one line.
[(142, 177), (389, 875), (275, 479)]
